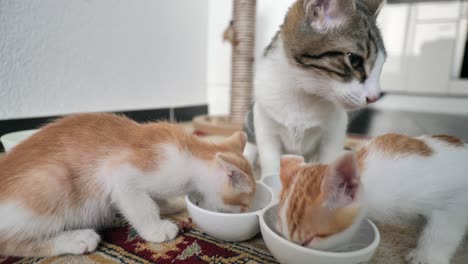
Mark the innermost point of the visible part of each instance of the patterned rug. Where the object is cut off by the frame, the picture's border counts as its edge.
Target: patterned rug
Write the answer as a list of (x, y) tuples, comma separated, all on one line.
[(122, 244)]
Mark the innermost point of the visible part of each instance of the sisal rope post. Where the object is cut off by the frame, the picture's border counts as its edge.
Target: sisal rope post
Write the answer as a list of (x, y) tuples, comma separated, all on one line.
[(242, 38), (241, 34)]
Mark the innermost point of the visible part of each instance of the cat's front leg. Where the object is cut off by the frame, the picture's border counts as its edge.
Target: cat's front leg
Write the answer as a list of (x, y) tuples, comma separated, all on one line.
[(333, 138), (142, 212), (268, 142), (440, 238)]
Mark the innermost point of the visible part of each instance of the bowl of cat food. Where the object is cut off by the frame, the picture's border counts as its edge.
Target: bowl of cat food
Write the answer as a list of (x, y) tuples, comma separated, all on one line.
[(358, 250), (231, 227), (262, 218)]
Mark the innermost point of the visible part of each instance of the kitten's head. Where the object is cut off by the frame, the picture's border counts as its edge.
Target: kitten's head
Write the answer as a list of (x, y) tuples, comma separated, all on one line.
[(319, 205), (237, 184), (337, 48)]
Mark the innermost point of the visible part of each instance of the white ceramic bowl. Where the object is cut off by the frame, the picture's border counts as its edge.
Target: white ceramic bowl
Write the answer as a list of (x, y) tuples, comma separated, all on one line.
[(358, 251), (10, 140), (230, 227), (240, 227)]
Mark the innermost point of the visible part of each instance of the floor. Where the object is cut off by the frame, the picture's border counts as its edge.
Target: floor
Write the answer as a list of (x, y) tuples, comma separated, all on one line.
[(413, 116), (374, 122)]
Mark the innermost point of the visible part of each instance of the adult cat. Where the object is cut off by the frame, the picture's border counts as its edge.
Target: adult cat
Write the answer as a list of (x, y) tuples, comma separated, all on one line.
[(326, 59)]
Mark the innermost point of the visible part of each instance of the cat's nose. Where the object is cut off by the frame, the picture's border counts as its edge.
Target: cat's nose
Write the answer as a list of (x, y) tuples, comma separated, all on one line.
[(372, 99)]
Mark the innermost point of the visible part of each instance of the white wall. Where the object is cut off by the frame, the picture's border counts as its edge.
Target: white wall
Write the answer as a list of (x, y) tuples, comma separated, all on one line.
[(59, 57), (270, 15), (219, 57)]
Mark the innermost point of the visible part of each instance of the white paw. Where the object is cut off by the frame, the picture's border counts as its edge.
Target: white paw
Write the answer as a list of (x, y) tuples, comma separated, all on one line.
[(77, 242), (165, 231), (416, 257)]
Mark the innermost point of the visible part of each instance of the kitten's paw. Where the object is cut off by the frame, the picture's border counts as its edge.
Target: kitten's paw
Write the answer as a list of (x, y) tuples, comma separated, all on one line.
[(416, 257), (165, 231), (77, 242)]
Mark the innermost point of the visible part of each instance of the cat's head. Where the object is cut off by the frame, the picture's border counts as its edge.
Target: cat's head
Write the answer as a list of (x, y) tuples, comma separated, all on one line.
[(319, 204), (337, 48), (236, 186)]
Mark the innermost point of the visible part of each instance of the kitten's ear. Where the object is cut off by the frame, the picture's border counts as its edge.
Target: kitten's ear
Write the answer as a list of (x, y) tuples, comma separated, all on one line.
[(236, 177), (237, 141), (374, 6), (341, 182), (328, 14), (290, 165)]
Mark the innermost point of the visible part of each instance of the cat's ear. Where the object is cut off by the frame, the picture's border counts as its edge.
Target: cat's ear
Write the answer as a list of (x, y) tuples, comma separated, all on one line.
[(290, 165), (237, 179), (328, 14), (237, 141), (374, 6), (341, 183)]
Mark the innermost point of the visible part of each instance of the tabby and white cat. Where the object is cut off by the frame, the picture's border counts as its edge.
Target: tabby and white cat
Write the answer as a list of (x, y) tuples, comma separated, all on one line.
[(391, 179), (73, 175), (326, 59)]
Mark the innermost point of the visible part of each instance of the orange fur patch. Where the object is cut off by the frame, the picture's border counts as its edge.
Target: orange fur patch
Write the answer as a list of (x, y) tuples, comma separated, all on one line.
[(306, 194), (306, 214), (232, 197), (290, 165), (456, 142), (396, 144), (361, 156)]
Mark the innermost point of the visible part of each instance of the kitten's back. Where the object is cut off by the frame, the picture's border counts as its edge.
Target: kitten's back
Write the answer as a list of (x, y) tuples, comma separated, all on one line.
[(61, 158), (412, 175)]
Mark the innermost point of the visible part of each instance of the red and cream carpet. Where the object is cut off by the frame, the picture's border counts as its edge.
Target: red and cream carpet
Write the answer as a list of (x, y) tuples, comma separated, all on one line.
[(123, 245)]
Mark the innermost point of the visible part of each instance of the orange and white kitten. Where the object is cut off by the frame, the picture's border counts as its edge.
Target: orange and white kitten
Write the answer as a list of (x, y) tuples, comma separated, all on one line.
[(74, 174), (390, 179)]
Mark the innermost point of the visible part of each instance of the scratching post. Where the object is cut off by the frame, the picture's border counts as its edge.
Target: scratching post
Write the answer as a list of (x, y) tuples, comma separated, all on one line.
[(242, 58), (241, 34)]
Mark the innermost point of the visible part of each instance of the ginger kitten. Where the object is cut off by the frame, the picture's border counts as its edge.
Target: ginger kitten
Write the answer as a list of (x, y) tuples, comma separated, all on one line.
[(325, 60), (69, 178), (390, 179)]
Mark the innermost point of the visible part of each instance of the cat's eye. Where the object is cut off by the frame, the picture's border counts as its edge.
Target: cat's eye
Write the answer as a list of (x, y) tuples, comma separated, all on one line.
[(357, 62)]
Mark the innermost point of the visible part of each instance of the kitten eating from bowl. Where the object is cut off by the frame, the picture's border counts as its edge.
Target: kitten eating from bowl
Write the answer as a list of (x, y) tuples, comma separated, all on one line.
[(392, 178), (70, 177)]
